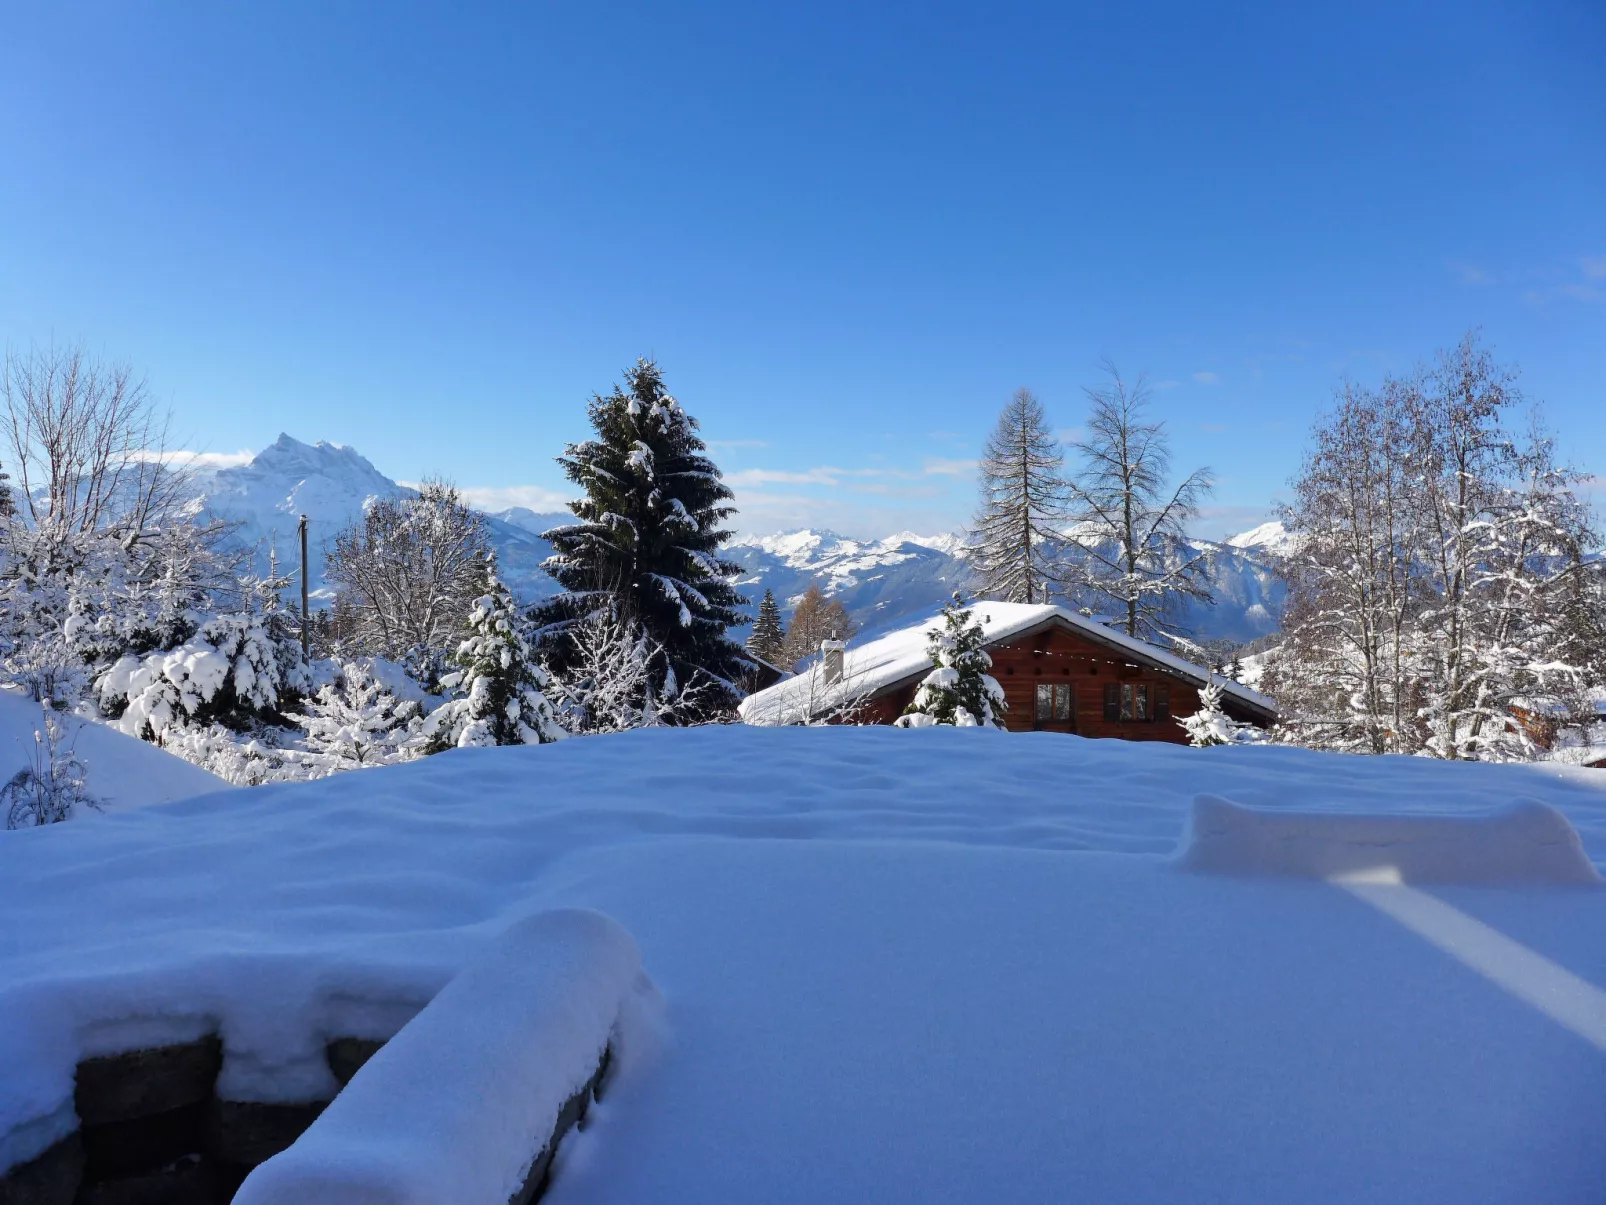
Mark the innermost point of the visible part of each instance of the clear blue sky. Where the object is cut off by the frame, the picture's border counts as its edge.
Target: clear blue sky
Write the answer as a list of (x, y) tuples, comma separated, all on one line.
[(846, 231)]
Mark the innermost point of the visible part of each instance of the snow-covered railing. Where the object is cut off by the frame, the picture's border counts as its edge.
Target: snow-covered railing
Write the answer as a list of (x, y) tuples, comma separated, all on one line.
[(467, 1102)]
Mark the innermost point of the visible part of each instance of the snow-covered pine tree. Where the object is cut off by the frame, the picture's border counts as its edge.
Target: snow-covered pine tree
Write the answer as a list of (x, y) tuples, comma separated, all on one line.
[(769, 633), (958, 690), (500, 690), (357, 720), (1129, 529), (1211, 725), (647, 542), (1022, 504)]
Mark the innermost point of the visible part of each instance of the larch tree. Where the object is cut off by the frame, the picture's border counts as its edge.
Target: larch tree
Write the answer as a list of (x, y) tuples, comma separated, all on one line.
[(768, 639), (1022, 501), (1130, 555), (816, 618), (646, 545)]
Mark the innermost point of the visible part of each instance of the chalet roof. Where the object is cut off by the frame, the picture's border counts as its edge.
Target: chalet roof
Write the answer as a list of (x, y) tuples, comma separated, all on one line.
[(879, 665)]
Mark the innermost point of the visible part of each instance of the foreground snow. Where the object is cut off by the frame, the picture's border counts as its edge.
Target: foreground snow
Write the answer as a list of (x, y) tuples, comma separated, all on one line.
[(900, 966), (120, 771)]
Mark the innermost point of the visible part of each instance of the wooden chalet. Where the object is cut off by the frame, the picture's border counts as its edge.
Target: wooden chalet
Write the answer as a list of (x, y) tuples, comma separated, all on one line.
[(1060, 672)]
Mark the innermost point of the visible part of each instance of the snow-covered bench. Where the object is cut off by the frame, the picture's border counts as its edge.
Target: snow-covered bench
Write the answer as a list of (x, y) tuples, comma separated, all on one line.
[(467, 1102)]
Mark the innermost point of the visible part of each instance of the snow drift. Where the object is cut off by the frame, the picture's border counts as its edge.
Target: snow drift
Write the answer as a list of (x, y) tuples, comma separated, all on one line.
[(1527, 842), (455, 1106)]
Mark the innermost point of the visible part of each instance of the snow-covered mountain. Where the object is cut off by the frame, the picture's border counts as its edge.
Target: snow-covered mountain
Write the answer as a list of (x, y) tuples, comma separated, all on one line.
[(331, 485), (883, 583)]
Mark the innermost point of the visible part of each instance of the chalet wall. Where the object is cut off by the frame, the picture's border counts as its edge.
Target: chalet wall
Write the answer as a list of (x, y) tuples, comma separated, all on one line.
[(1058, 656)]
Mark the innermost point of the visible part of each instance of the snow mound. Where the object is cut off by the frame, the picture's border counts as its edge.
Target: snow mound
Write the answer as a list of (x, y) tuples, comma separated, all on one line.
[(455, 1106), (1527, 842)]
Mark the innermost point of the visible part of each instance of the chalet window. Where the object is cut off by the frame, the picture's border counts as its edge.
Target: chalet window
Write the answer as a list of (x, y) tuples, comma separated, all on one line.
[(1141, 711), (1054, 702), (1112, 702), (1162, 702)]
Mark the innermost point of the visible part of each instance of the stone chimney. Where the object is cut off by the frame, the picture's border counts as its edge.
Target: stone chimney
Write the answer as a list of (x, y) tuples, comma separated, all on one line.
[(832, 654)]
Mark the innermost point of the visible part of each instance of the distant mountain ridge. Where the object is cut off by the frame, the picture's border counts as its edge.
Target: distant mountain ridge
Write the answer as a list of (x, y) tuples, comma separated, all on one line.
[(883, 583)]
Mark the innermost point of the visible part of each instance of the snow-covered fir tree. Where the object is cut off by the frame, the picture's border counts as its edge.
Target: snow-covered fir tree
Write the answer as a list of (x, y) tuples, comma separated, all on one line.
[(958, 690), (768, 638), (647, 541), (500, 691), (1129, 558), (1022, 505), (357, 720), (1211, 725)]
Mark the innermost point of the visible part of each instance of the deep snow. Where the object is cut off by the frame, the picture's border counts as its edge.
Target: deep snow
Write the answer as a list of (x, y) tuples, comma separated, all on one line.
[(119, 771), (896, 965)]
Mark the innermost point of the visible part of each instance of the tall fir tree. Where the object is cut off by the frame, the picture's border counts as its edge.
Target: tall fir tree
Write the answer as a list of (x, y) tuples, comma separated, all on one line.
[(647, 542), (1022, 500), (958, 690), (769, 634), (500, 690)]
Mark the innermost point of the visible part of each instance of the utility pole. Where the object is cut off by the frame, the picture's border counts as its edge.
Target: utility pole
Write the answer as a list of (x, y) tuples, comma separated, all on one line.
[(306, 618)]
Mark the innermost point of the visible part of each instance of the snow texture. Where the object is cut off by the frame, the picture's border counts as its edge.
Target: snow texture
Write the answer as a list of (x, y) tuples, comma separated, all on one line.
[(121, 771), (1527, 842), (897, 966), (898, 655), (457, 1104)]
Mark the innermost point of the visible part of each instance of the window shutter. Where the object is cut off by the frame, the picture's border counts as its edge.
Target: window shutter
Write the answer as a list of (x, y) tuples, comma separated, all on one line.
[(1112, 702)]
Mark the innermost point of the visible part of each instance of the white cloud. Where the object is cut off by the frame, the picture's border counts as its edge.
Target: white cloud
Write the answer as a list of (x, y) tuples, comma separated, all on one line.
[(497, 498), (199, 460), (1206, 378)]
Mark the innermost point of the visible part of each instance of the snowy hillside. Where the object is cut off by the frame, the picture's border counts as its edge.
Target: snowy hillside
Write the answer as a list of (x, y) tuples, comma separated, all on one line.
[(884, 969)]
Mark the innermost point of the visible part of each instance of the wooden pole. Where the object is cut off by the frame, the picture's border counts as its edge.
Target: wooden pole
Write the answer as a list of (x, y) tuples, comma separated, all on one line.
[(306, 617)]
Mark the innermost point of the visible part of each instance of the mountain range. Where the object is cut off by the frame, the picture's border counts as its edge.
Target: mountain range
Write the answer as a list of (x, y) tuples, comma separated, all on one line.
[(882, 583)]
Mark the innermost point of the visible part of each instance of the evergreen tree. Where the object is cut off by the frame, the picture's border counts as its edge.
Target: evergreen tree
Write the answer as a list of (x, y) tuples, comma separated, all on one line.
[(959, 690), (1210, 725), (769, 634), (1022, 499), (646, 547), (500, 690)]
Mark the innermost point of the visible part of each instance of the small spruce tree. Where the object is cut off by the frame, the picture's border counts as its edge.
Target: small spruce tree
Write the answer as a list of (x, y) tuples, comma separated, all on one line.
[(1210, 725), (500, 691), (958, 690), (769, 634)]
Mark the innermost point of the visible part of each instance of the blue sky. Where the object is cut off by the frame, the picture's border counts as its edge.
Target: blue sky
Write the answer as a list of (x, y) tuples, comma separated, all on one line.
[(846, 231)]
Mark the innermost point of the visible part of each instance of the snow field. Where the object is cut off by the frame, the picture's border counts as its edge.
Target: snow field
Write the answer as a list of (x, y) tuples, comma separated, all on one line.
[(458, 1103), (888, 975)]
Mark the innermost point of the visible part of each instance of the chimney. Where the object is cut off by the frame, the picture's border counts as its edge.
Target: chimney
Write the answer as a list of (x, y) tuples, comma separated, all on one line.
[(832, 653)]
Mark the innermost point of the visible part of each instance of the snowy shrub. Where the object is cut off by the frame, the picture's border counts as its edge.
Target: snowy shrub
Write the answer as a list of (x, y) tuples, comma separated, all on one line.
[(500, 691), (357, 720), (611, 686), (958, 690), (47, 789), (244, 759), (233, 669), (1210, 725)]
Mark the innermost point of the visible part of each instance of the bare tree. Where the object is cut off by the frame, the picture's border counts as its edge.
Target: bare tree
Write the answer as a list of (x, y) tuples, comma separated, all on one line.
[(815, 618), (1130, 537), (1022, 498), (409, 569), (87, 442)]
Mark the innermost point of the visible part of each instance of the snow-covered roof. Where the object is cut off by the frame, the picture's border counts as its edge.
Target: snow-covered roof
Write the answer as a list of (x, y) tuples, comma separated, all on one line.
[(880, 664)]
